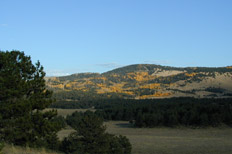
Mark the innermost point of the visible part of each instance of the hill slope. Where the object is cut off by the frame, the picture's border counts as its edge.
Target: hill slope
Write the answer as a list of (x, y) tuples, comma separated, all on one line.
[(148, 81)]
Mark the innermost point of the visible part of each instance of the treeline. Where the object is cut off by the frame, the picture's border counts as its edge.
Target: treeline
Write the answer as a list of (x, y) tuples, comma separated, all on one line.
[(84, 104), (190, 112), (78, 95)]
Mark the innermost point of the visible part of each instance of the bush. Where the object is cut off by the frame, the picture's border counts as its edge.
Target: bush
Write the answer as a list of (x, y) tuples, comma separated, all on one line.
[(90, 136), (1, 146)]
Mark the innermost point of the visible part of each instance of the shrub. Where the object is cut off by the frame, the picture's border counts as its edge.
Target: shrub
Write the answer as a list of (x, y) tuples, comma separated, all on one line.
[(90, 137)]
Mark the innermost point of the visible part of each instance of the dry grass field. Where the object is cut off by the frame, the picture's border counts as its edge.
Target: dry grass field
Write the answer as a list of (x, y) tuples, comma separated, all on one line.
[(174, 140), (8, 149), (65, 112), (156, 140), (171, 140), (168, 140)]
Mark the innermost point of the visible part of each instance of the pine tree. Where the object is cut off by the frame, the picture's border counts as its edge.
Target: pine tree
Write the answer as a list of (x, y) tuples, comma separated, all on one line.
[(23, 96), (90, 137)]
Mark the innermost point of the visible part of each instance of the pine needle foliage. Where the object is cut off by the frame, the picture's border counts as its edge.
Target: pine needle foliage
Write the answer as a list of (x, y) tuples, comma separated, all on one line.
[(23, 96)]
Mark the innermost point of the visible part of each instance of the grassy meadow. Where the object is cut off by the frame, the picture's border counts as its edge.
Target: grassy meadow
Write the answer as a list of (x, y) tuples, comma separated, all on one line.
[(155, 140), (174, 140), (8, 149), (168, 140), (65, 112)]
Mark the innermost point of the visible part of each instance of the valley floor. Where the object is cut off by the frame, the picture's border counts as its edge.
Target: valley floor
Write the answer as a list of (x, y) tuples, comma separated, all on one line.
[(174, 140), (171, 140), (168, 140), (159, 140), (10, 149)]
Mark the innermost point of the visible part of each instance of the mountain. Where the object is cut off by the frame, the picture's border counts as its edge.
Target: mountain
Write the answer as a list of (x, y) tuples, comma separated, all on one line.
[(142, 81)]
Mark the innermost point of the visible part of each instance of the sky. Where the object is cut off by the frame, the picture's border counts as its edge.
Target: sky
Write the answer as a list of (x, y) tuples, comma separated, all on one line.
[(73, 36)]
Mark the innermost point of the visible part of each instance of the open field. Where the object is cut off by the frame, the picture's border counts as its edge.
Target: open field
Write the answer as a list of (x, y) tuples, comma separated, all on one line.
[(65, 112), (174, 140), (168, 140), (171, 140), (157, 140), (8, 149)]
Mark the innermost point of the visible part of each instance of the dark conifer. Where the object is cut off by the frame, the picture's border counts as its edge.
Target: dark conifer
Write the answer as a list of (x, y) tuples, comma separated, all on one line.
[(23, 96)]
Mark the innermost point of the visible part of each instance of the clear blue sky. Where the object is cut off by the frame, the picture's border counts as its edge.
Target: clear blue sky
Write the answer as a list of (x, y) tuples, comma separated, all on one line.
[(71, 36)]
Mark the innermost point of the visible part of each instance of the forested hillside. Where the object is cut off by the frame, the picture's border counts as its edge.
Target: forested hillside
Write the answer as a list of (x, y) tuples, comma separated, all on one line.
[(144, 81)]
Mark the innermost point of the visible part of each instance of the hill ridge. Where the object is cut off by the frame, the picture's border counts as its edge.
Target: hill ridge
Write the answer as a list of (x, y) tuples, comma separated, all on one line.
[(140, 81)]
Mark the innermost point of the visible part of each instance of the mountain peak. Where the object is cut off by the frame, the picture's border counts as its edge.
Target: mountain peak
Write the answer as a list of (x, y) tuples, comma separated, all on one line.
[(135, 68)]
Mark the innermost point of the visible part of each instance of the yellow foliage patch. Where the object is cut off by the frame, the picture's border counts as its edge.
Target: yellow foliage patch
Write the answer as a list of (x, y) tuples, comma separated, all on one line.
[(116, 88), (190, 74), (151, 86), (115, 75), (128, 92), (60, 86), (157, 94), (100, 85), (139, 76)]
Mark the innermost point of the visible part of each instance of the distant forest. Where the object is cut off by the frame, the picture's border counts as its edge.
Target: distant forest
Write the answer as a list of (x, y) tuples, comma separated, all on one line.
[(171, 112)]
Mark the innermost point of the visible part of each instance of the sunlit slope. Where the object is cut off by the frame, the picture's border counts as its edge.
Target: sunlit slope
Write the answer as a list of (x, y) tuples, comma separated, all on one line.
[(150, 81)]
